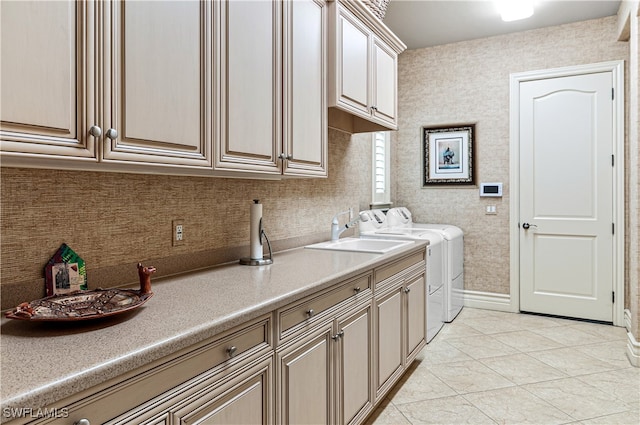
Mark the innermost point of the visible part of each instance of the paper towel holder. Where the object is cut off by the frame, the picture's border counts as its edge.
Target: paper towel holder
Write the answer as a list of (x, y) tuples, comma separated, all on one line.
[(248, 261)]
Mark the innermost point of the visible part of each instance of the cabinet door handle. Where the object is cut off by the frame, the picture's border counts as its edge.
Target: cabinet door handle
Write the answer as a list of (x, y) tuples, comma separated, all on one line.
[(95, 131), (338, 335), (310, 312), (407, 290), (374, 108), (112, 134), (82, 422), (232, 351)]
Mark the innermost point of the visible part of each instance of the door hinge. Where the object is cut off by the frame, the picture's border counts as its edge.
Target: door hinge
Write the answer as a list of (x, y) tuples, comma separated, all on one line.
[(613, 297), (613, 160), (613, 93), (613, 228)]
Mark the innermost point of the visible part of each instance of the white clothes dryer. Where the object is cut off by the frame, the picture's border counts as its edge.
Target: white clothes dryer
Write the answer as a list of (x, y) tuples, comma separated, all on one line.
[(375, 228), (401, 217)]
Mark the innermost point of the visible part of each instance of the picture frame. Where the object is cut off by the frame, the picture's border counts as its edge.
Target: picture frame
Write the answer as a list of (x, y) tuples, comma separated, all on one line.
[(448, 155)]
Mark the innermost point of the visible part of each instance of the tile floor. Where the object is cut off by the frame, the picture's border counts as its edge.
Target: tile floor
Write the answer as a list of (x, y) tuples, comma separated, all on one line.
[(489, 367)]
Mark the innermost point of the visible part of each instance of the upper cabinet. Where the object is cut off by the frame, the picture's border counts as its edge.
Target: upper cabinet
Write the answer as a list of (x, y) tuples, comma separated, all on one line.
[(363, 61), (124, 86), (48, 84), (210, 88), (274, 115), (158, 83)]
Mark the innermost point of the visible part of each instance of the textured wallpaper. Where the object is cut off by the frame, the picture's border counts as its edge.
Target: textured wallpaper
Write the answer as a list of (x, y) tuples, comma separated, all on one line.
[(114, 220), (468, 82)]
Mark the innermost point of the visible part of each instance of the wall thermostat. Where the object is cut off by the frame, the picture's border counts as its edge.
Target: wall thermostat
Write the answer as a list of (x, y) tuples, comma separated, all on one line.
[(491, 189)]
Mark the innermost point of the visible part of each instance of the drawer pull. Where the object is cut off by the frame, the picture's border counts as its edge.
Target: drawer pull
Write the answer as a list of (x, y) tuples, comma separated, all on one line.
[(310, 312), (232, 351), (82, 422), (356, 289)]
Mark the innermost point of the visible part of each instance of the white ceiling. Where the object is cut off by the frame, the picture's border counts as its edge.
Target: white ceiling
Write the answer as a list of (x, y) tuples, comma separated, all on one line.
[(423, 23)]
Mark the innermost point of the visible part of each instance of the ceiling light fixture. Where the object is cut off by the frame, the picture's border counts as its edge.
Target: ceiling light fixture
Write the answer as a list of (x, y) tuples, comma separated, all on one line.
[(513, 10)]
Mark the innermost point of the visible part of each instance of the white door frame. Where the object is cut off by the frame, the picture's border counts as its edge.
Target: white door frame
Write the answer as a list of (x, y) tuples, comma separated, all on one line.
[(617, 70)]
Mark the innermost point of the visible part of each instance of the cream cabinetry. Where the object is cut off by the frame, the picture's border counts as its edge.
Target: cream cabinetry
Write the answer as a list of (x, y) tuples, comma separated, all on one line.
[(158, 83), (362, 70), (108, 85), (172, 87), (208, 381), (324, 364), (49, 95), (400, 307), (329, 357), (274, 113)]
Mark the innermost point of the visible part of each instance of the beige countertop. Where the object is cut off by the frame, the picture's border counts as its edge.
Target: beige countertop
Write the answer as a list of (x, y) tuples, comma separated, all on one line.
[(45, 362)]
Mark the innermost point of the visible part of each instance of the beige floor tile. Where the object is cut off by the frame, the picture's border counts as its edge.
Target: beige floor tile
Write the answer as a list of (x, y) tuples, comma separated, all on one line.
[(517, 406), (623, 384), (571, 361), (455, 330), (613, 352), (624, 418), (577, 399), (568, 335), (420, 385), (532, 321), (603, 332), (442, 352), (387, 414), (470, 376), (446, 410), (480, 347), (527, 341), (523, 369), (493, 324)]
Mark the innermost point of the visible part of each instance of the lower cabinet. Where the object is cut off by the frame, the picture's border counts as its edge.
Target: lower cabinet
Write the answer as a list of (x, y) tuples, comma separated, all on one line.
[(400, 328), (328, 358), (325, 376)]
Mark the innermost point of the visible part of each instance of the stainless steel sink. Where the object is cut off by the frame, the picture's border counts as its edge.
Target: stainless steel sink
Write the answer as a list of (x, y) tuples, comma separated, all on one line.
[(374, 246)]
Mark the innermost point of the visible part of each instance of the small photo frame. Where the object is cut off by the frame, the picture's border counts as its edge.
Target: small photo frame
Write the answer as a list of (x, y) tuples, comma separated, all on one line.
[(448, 155), (65, 272)]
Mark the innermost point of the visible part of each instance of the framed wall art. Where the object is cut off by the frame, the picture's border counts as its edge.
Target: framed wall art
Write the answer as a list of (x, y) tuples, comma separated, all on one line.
[(448, 155)]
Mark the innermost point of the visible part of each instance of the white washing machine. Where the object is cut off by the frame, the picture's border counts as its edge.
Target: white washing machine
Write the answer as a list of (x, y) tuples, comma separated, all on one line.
[(400, 217), (376, 227)]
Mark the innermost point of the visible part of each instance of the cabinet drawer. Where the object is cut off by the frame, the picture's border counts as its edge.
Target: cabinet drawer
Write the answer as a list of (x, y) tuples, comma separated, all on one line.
[(290, 317), (137, 387), (383, 273)]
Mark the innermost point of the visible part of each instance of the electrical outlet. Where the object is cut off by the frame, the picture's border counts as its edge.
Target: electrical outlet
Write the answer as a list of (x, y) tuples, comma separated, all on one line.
[(491, 210), (177, 232)]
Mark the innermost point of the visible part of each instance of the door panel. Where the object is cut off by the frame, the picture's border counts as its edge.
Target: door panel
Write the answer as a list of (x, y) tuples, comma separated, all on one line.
[(566, 180), (46, 107), (160, 82), (385, 82)]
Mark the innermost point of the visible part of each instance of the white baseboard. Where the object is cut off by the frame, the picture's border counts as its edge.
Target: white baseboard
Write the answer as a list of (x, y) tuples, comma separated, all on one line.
[(633, 350), (487, 300), (633, 346)]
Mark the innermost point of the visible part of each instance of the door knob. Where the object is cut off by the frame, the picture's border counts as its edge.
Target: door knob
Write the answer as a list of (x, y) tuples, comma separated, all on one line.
[(525, 226), (95, 131)]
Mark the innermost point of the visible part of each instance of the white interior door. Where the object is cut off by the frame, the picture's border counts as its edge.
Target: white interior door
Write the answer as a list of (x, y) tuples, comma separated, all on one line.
[(566, 197)]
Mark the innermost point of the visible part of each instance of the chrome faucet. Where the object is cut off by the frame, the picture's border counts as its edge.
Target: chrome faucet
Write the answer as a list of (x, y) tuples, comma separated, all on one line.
[(336, 230)]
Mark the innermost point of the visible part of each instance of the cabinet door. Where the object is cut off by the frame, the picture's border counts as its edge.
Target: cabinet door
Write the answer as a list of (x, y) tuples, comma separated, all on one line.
[(251, 133), (353, 62), (354, 366), (385, 82), (243, 400), (159, 83), (416, 314), (305, 88), (48, 100), (389, 326), (305, 373)]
